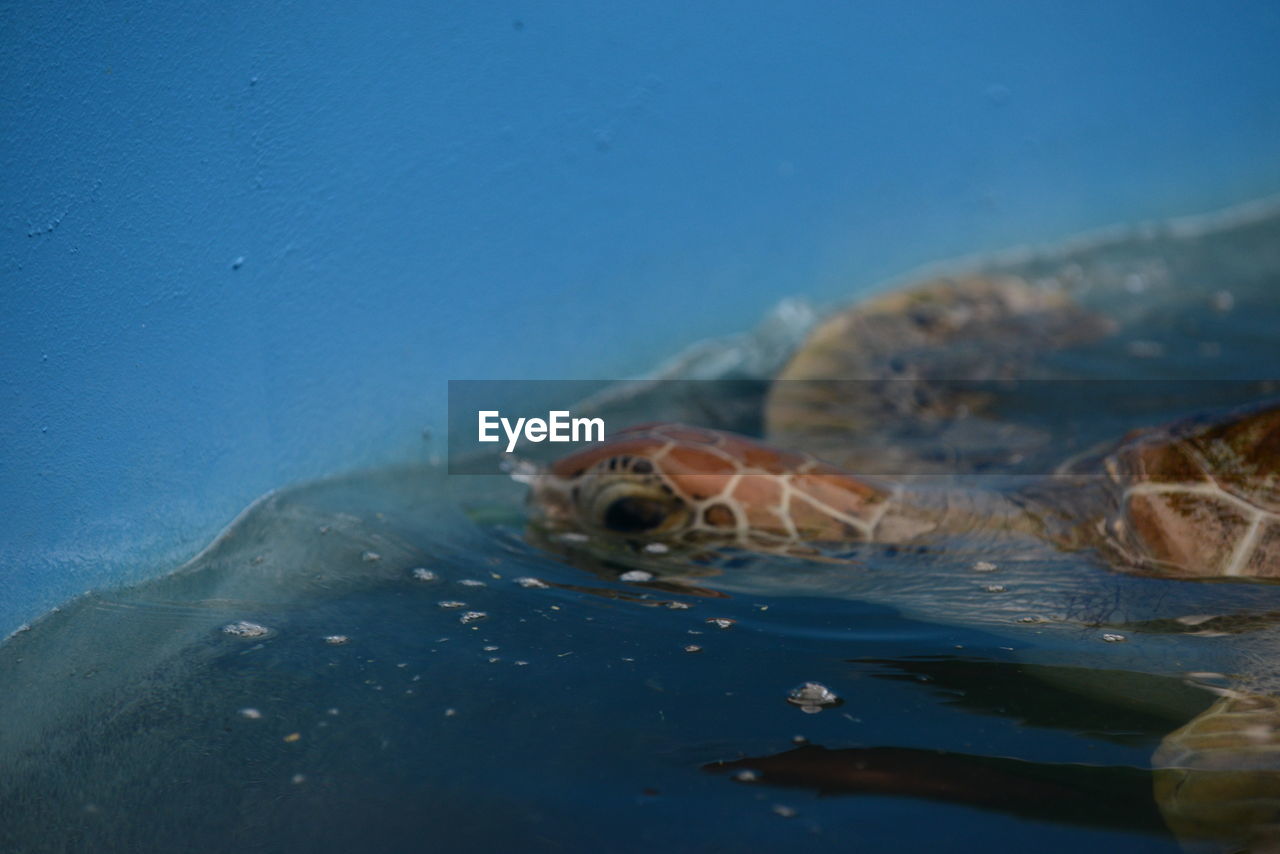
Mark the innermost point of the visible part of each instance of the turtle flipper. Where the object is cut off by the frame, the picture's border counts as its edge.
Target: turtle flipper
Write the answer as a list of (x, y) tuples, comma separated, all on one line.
[(1218, 777), (904, 382)]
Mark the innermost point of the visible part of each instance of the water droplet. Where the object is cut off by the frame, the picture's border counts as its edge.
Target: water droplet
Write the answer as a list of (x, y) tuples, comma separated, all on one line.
[(423, 574), (245, 629), (472, 617), (636, 575), (534, 583), (813, 697)]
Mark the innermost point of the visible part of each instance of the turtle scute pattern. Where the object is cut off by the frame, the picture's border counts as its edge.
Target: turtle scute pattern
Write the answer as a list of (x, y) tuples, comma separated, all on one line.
[(736, 491), (1202, 499)]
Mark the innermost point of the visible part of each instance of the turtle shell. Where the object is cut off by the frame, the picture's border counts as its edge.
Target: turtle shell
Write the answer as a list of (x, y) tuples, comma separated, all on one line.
[(901, 383), (1202, 498)]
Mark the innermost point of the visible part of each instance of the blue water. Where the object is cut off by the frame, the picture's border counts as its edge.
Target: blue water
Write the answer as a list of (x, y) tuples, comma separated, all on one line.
[(407, 671), (243, 247)]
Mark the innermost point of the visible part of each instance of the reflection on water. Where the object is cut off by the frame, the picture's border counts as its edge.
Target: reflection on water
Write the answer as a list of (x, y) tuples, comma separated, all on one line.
[(382, 662)]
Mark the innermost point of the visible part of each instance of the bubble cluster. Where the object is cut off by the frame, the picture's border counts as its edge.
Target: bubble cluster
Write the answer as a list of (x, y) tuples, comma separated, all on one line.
[(245, 629)]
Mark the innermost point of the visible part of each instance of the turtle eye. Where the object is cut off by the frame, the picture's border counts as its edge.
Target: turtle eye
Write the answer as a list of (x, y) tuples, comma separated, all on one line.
[(634, 514)]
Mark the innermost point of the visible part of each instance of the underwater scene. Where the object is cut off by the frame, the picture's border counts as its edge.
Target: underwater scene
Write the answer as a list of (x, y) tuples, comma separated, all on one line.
[(982, 561)]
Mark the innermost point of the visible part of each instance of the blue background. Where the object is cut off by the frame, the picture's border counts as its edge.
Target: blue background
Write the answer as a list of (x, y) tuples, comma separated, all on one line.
[(247, 244)]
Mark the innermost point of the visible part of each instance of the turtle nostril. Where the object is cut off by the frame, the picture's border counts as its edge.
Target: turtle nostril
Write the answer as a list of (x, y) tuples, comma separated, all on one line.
[(634, 514)]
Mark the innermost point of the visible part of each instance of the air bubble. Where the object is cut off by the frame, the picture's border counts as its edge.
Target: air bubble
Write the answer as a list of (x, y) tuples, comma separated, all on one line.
[(636, 575), (813, 697), (423, 574), (245, 629), (472, 617)]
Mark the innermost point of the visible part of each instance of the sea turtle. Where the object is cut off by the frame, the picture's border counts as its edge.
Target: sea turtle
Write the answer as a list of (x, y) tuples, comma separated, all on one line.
[(885, 427)]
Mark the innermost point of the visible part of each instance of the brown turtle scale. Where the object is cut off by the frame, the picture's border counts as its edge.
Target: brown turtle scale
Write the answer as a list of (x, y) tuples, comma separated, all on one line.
[(1199, 498)]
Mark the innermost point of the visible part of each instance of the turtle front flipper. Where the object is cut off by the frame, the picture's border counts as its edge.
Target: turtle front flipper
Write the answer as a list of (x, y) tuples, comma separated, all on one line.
[(1217, 779)]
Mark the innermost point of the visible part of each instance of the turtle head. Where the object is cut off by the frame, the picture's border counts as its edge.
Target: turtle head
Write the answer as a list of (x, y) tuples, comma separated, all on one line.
[(690, 486), (614, 489)]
